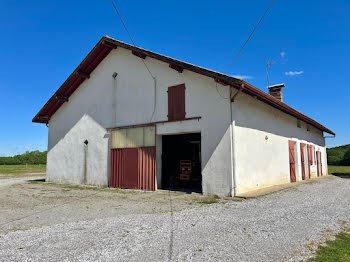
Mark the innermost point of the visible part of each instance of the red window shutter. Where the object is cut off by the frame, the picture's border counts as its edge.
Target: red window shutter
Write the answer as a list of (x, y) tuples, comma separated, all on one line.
[(311, 155), (302, 161), (292, 161), (176, 102), (309, 152)]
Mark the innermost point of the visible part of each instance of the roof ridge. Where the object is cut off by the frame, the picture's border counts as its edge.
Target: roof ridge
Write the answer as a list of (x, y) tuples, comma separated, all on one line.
[(106, 44)]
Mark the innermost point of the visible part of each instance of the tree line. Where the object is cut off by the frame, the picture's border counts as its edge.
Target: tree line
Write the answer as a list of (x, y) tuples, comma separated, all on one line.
[(339, 156), (30, 158)]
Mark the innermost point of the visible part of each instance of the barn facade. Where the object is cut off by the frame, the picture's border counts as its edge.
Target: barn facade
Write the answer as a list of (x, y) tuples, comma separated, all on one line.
[(131, 118)]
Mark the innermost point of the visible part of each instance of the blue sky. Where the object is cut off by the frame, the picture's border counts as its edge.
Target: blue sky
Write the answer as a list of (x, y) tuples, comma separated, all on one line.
[(43, 41)]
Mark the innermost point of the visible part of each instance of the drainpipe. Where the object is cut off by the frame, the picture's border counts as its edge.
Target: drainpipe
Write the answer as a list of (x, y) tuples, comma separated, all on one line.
[(114, 102), (233, 154), (155, 96)]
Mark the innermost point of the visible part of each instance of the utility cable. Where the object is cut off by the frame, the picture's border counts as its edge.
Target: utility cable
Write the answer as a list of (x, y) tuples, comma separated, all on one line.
[(149, 71), (251, 34), (131, 39), (242, 47), (217, 90)]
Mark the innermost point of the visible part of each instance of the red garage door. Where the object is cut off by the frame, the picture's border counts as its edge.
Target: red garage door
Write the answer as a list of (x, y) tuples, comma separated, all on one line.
[(133, 168), (133, 158)]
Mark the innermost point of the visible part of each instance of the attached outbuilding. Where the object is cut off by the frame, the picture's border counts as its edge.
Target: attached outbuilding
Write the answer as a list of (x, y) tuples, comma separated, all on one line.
[(131, 118)]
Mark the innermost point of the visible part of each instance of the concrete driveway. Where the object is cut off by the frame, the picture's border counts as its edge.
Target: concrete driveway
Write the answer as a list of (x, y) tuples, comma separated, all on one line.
[(42, 222)]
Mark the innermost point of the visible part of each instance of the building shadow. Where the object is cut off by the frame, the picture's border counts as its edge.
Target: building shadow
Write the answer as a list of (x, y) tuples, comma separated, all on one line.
[(342, 175)]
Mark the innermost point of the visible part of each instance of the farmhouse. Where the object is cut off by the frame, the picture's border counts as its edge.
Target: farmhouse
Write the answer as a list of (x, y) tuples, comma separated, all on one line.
[(131, 118)]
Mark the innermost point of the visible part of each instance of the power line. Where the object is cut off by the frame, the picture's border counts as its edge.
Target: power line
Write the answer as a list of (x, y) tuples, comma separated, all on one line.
[(251, 34), (127, 31)]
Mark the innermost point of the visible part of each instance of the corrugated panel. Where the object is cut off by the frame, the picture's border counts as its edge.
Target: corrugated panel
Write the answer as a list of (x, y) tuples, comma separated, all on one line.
[(133, 168), (119, 138), (147, 168), (117, 167), (130, 172), (149, 136), (176, 102), (134, 137)]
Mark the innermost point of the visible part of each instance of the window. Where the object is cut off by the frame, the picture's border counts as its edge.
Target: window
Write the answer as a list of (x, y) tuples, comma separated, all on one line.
[(176, 102), (299, 123)]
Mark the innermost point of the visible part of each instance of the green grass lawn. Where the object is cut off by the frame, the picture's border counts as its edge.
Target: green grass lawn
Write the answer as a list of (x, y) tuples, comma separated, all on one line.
[(22, 169), (337, 250), (339, 169)]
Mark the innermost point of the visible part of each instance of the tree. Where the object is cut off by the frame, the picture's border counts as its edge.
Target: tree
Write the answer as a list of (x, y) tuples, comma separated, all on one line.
[(346, 159)]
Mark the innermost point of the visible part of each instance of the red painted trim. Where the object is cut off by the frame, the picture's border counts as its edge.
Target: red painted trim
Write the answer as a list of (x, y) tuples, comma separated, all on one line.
[(221, 82), (292, 168), (176, 67), (154, 123), (141, 55), (83, 74), (109, 44), (62, 98)]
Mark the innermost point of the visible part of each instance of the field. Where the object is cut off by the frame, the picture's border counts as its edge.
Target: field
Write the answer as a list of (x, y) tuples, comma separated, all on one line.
[(21, 169), (339, 170)]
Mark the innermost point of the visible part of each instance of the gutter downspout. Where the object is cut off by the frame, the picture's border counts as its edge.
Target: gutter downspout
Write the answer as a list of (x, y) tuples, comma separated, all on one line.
[(233, 154), (114, 123)]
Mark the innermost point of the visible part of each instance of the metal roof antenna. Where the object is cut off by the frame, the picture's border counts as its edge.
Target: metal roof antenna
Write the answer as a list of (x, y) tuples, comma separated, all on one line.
[(268, 65)]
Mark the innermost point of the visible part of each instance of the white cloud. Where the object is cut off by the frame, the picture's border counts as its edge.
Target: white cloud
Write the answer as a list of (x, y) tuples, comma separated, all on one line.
[(283, 54), (294, 73), (243, 77)]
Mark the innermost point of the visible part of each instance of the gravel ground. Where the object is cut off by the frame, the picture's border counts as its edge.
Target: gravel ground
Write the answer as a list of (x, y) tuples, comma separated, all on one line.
[(6, 181), (283, 226)]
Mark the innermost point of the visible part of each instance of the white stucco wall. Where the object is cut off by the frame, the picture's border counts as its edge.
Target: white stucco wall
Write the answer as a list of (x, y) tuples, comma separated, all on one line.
[(71, 161), (102, 102), (261, 135)]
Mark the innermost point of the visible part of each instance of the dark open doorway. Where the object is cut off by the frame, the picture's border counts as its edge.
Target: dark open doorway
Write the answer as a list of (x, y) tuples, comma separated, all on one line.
[(181, 162)]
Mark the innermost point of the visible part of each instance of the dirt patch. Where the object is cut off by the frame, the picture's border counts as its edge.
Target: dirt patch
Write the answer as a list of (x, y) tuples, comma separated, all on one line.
[(36, 203)]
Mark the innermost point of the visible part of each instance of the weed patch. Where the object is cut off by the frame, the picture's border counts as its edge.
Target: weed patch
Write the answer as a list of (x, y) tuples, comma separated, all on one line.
[(337, 250)]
